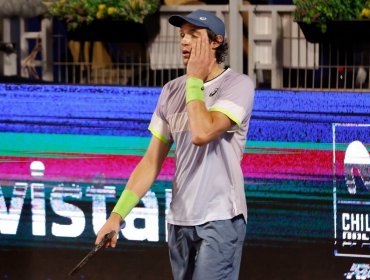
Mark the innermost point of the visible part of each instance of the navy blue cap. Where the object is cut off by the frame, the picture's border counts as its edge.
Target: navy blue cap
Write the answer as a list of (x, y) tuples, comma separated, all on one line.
[(201, 18)]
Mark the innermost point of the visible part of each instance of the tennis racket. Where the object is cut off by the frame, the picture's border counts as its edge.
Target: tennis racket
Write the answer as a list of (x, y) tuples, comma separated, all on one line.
[(94, 251)]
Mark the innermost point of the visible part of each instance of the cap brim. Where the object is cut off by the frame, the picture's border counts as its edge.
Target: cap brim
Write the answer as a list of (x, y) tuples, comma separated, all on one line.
[(178, 21)]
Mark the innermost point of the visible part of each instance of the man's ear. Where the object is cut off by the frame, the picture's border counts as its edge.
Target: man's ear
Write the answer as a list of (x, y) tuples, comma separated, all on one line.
[(217, 42)]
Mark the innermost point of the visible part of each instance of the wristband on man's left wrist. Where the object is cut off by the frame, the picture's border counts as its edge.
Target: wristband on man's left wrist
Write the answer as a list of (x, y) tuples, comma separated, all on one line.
[(194, 89)]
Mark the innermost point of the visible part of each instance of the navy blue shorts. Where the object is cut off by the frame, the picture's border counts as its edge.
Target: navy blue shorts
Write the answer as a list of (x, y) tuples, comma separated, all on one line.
[(209, 251)]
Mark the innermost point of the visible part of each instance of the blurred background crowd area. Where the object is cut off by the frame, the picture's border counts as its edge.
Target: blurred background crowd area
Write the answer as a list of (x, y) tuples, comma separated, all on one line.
[(41, 44)]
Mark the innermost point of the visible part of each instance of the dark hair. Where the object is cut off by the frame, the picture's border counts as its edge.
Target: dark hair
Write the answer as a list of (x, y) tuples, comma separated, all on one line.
[(221, 51)]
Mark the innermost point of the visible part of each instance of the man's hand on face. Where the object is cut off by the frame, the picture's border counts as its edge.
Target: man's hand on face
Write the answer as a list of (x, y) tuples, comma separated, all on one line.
[(202, 59)]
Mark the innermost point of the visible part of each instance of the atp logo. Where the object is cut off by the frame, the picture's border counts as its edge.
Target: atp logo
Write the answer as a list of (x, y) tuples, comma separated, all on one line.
[(358, 271)]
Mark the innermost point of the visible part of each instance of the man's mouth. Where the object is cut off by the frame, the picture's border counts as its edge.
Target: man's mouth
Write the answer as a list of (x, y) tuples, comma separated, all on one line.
[(185, 53)]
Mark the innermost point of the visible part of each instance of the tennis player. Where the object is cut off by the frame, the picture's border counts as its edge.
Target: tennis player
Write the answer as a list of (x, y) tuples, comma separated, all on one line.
[(206, 114)]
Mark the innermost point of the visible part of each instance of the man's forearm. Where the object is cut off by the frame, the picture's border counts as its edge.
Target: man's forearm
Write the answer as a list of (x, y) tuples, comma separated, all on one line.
[(142, 177), (138, 184), (205, 126)]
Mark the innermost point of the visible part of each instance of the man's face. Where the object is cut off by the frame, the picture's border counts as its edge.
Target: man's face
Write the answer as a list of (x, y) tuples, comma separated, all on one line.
[(189, 33)]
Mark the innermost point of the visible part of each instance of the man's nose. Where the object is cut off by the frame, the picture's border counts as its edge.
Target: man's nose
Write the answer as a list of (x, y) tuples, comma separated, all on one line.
[(185, 40)]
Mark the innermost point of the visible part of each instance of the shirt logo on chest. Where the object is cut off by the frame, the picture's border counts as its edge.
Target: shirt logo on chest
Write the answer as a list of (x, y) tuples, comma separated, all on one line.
[(213, 92)]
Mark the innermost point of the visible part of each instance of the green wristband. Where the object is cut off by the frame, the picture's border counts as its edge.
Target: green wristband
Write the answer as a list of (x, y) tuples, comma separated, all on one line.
[(194, 89), (126, 202)]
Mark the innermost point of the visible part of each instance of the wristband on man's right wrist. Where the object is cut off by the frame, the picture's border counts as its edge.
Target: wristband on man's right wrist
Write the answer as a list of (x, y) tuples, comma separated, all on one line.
[(126, 203)]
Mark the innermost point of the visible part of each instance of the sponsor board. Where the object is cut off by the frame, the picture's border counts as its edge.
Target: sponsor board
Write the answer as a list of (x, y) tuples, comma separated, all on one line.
[(351, 190)]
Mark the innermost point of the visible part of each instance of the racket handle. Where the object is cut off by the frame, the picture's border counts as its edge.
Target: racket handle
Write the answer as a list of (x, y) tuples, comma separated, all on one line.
[(122, 225)]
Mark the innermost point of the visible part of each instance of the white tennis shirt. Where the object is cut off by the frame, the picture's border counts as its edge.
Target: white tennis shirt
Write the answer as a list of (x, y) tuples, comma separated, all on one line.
[(208, 184)]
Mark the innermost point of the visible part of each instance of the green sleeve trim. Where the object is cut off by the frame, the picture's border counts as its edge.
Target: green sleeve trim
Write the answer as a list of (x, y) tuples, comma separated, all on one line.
[(126, 203), (158, 135), (194, 89), (230, 116)]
